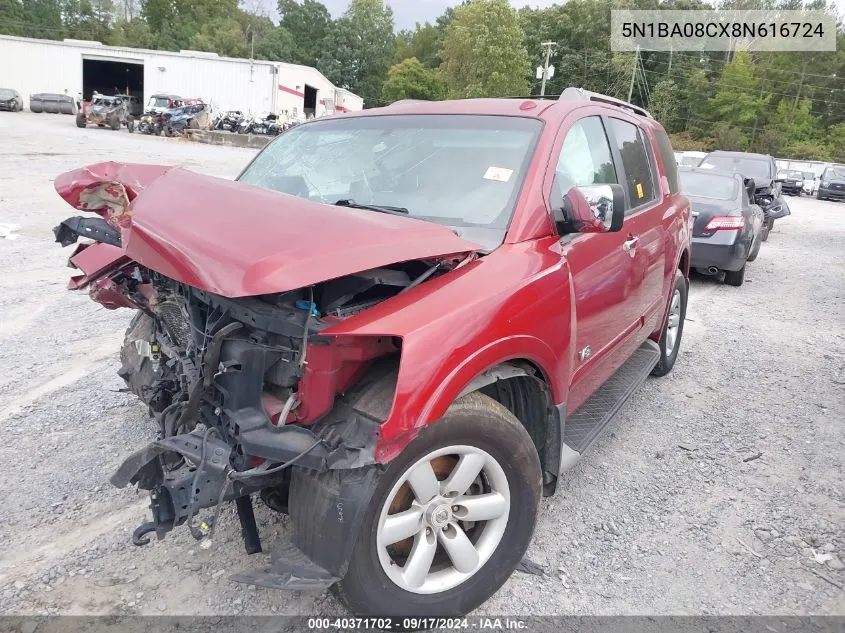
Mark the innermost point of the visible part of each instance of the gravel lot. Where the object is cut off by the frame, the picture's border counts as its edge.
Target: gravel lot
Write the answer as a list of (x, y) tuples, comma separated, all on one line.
[(666, 515)]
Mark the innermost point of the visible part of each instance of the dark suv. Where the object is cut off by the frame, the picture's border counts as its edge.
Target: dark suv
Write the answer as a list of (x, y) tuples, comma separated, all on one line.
[(401, 327), (832, 184)]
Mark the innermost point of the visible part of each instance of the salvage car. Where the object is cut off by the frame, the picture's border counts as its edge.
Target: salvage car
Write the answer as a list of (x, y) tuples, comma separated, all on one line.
[(194, 115), (106, 111), (10, 100), (760, 168), (728, 226), (832, 183), (399, 326), (791, 182)]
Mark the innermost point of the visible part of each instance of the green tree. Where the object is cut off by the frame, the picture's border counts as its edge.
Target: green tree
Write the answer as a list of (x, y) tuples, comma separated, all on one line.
[(424, 43), (12, 18), (308, 23), (729, 138), (483, 54), (664, 103), (737, 101), (358, 49), (409, 79), (223, 36), (88, 19), (836, 142)]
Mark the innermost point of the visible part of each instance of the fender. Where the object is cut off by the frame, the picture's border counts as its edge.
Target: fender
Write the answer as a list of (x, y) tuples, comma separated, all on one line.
[(524, 348)]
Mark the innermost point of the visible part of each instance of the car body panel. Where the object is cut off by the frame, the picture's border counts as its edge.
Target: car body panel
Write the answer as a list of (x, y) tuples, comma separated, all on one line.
[(275, 243)]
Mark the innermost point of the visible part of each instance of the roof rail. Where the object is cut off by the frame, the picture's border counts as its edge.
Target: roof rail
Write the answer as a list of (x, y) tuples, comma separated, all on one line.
[(579, 94)]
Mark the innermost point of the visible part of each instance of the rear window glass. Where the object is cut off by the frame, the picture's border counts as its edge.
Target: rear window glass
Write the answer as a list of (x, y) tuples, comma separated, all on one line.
[(639, 182), (708, 185), (748, 167), (664, 146)]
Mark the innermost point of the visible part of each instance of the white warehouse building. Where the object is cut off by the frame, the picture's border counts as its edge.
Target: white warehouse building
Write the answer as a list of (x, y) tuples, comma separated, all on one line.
[(75, 67)]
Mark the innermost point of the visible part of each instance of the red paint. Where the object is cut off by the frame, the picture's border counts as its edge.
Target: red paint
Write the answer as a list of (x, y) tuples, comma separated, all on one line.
[(536, 298), (262, 242), (291, 91)]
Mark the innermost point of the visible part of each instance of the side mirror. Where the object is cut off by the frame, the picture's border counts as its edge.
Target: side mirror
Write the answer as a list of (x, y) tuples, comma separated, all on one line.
[(602, 208), (750, 188)]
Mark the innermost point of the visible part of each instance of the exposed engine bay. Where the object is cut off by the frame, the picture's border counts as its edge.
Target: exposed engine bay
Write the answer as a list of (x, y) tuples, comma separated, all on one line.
[(239, 387)]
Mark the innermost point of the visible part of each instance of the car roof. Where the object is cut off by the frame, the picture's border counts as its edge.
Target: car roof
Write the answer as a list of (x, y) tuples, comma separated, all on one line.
[(710, 172), (740, 155), (524, 107)]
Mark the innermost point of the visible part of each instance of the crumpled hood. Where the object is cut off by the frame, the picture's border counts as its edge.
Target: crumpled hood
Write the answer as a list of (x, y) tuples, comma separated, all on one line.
[(235, 239)]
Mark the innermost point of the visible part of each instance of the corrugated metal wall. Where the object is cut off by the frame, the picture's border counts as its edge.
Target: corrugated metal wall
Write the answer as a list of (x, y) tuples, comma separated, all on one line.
[(31, 66)]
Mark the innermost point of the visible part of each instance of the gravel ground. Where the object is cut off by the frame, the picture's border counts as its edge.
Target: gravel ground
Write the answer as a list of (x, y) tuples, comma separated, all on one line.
[(668, 514)]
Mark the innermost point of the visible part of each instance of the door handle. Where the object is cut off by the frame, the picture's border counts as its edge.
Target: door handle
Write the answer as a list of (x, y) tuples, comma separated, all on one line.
[(630, 244)]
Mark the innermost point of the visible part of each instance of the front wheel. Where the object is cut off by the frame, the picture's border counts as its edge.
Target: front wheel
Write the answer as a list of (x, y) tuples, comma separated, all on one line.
[(80, 120), (673, 328), (767, 226), (450, 518), (130, 125)]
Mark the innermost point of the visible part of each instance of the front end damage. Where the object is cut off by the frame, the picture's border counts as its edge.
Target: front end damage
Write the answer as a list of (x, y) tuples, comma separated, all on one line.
[(250, 394)]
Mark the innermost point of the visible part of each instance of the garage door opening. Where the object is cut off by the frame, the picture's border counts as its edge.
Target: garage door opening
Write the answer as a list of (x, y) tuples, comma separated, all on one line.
[(310, 105), (111, 77)]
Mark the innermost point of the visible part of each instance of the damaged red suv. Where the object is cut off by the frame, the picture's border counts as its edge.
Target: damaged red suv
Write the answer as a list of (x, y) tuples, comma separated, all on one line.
[(399, 327)]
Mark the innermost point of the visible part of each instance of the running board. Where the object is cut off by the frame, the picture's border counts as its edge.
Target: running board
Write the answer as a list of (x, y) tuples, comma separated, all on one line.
[(585, 426)]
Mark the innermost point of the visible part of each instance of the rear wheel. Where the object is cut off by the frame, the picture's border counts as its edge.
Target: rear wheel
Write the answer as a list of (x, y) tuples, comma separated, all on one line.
[(130, 125), (767, 226), (673, 329), (80, 120), (735, 277), (114, 122), (451, 517)]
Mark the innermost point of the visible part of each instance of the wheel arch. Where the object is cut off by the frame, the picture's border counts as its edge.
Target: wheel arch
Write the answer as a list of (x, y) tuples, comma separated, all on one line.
[(523, 387)]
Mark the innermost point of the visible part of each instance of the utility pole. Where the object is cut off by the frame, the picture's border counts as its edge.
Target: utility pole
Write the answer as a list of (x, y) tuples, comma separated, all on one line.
[(760, 98), (800, 85), (548, 46), (634, 73)]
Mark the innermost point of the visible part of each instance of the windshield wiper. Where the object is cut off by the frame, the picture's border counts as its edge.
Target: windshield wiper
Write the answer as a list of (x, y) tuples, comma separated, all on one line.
[(372, 207)]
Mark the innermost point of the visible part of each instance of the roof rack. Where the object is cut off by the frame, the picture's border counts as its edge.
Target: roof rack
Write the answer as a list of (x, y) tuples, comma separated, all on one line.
[(579, 94)]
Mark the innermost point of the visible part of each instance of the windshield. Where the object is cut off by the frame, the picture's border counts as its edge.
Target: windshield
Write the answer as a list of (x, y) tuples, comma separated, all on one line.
[(835, 172), (708, 185), (5, 93), (158, 102), (102, 101), (690, 161), (748, 167), (461, 171)]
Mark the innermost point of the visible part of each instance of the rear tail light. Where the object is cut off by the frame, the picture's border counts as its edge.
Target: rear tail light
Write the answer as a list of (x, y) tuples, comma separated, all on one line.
[(725, 223)]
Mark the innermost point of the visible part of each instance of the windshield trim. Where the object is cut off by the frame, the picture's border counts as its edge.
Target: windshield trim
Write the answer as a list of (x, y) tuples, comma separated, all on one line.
[(531, 156)]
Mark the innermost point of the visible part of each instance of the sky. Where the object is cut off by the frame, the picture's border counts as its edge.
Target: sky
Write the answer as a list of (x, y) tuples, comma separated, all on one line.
[(406, 13)]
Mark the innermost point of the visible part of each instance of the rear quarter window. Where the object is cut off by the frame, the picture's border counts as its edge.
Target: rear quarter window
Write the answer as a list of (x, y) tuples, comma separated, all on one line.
[(664, 146)]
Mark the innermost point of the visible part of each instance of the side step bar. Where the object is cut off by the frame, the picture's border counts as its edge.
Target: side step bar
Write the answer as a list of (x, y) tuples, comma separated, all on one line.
[(585, 426)]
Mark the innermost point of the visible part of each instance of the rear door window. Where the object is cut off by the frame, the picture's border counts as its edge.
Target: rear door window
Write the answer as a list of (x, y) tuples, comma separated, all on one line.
[(631, 145), (664, 146)]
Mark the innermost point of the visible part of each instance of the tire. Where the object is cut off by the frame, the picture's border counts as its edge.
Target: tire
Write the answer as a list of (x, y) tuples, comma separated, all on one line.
[(755, 248), (80, 120), (735, 277), (484, 428), (114, 123), (767, 226), (680, 291), (819, 196), (130, 125)]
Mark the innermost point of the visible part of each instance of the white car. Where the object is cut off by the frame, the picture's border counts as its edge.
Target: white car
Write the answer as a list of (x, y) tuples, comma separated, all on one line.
[(692, 159)]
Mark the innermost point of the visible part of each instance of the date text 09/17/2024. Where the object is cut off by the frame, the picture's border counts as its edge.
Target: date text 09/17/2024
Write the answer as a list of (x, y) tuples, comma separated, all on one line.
[(481, 623)]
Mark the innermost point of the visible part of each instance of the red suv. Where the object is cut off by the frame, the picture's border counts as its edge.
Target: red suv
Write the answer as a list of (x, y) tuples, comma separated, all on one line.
[(400, 327)]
